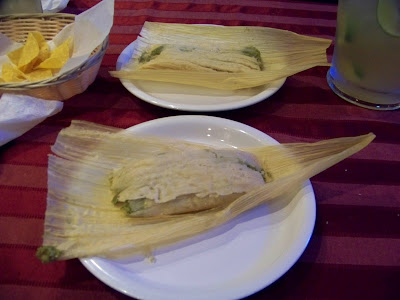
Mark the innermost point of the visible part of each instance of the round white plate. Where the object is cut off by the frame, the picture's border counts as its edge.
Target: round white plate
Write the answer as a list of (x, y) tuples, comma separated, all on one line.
[(192, 98), (232, 261)]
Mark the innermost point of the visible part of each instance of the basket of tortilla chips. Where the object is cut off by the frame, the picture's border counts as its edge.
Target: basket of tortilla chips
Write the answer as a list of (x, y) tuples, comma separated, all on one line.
[(39, 62)]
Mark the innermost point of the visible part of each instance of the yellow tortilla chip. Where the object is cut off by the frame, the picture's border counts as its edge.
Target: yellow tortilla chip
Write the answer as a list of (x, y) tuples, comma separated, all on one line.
[(24, 57), (44, 52), (10, 73), (38, 37), (58, 56), (39, 74), (15, 55), (30, 52), (34, 61)]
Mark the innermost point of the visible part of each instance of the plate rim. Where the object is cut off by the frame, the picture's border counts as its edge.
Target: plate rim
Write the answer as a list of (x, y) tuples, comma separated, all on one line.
[(139, 93), (91, 264)]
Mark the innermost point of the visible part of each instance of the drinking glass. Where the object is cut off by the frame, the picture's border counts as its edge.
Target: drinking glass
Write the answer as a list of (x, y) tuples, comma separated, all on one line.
[(8, 7), (366, 60)]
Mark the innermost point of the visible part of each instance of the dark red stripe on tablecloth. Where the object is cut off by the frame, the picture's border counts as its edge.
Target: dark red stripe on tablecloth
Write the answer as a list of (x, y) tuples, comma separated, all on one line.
[(22, 203), (102, 91), (321, 281), (253, 116), (291, 94), (320, 128), (362, 171), (23, 176), (296, 25), (307, 5), (227, 7), (45, 275), (54, 275), (299, 8), (370, 195), (110, 60), (27, 189), (18, 247), (29, 153), (245, 8), (360, 251), (357, 221), (285, 16), (118, 36)]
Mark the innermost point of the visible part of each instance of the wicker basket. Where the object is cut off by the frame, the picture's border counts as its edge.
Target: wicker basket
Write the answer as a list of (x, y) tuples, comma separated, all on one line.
[(71, 83)]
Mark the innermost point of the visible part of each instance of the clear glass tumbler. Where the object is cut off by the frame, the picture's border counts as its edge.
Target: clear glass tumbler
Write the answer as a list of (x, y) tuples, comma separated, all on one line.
[(366, 60), (9, 7)]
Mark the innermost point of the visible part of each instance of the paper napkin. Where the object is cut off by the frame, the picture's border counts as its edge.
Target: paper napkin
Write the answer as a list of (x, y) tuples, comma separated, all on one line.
[(19, 113), (53, 6)]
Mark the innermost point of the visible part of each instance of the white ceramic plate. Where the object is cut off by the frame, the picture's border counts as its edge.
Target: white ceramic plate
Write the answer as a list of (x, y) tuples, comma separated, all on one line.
[(192, 98), (229, 262)]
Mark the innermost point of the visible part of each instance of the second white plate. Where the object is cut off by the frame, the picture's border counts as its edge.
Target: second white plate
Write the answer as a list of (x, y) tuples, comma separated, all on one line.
[(232, 261), (192, 98)]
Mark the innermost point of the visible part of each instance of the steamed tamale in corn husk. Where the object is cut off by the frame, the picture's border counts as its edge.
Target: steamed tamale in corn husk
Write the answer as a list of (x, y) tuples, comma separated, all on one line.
[(96, 171), (221, 57), (185, 181)]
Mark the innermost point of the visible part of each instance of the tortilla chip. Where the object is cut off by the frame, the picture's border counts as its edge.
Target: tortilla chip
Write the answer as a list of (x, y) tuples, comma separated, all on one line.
[(10, 73), (44, 52), (39, 74), (58, 56), (29, 54), (34, 61), (38, 37), (15, 55)]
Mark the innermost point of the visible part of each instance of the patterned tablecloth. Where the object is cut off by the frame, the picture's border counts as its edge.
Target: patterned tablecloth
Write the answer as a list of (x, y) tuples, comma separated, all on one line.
[(354, 251)]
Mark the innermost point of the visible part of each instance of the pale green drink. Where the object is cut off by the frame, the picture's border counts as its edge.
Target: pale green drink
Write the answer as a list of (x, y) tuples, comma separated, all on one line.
[(366, 62)]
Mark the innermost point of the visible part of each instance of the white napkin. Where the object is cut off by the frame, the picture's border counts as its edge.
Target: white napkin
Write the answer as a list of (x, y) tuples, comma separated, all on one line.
[(53, 6), (89, 30), (19, 113)]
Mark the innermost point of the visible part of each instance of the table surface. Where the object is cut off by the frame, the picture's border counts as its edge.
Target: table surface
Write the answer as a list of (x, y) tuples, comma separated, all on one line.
[(354, 251)]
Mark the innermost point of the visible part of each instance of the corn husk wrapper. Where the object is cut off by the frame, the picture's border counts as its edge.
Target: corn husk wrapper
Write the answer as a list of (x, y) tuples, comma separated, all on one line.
[(283, 53), (81, 221)]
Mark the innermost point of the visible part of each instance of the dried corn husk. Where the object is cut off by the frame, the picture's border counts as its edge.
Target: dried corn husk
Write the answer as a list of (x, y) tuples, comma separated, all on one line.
[(81, 220), (283, 53)]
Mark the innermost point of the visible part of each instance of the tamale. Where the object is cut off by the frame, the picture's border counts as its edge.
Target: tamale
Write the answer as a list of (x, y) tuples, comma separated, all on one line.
[(185, 58), (221, 57), (82, 221), (190, 181)]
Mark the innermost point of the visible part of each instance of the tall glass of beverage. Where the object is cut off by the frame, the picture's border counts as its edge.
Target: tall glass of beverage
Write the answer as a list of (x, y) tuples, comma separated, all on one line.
[(366, 61), (8, 7)]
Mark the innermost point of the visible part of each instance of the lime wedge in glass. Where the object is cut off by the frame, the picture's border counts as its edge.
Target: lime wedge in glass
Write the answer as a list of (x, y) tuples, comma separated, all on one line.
[(388, 13)]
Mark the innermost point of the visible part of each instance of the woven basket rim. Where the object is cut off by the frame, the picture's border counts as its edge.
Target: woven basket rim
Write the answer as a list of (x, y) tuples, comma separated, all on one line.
[(36, 15), (93, 58)]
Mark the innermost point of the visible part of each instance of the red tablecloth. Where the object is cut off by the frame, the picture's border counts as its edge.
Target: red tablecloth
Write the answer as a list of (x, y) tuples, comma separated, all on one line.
[(355, 248)]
